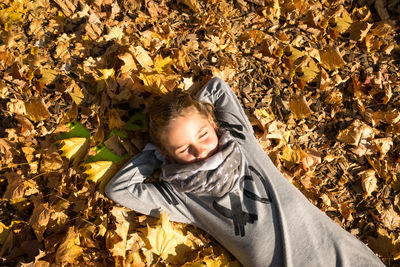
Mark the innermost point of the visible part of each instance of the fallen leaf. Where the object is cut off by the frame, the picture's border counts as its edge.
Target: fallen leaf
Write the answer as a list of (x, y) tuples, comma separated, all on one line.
[(75, 91), (74, 148), (389, 217), (36, 110), (40, 217), (70, 249), (341, 21), (299, 107), (100, 170), (163, 239), (129, 62), (331, 58), (368, 181), (142, 56), (385, 244), (51, 162)]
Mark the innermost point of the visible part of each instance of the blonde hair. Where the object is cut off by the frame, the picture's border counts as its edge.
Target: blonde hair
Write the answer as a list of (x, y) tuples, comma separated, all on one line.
[(170, 106)]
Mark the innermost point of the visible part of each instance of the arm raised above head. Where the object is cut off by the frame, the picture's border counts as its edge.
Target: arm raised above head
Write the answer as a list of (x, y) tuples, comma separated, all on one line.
[(127, 188), (227, 106)]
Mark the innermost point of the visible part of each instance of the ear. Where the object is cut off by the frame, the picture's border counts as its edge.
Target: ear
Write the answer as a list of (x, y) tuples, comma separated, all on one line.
[(212, 122), (167, 156)]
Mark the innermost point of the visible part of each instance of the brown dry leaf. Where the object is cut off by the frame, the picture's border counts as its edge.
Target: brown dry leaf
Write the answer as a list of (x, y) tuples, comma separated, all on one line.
[(70, 249), (74, 90), (391, 116), (385, 244), (40, 217), (15, 188), (292, 53), (368, 181), (355, 132), (51, 162), (116, 32), (100, 170), (380, 167), (382, 29), (16, 106), (27, 127), (263, 117), (346, 211), (331, 58), (383, 144), (299, 107), (36, 110), (359, 30), (256, 36), (389, 217), (116, 239), (372, 42), (307, 70), (48, 75), (310, 160), (341, 20), (163, 65), (114, 120), (164, 238), (142, 56), (159, 83), (129, 63), (192, 4)]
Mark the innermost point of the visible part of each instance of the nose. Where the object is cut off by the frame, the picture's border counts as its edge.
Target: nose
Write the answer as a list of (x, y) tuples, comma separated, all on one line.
[(199, 152)]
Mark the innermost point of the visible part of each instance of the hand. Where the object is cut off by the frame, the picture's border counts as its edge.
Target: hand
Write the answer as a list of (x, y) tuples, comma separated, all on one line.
[(157, 153)]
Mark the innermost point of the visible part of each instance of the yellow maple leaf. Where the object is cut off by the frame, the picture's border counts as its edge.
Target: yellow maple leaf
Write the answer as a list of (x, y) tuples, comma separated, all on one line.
[(163, 65), (163, 239), (74, 148), (100, 170)]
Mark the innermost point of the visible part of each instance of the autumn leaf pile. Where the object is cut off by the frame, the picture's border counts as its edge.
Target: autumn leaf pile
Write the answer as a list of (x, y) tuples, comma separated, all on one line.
[(319, 81)]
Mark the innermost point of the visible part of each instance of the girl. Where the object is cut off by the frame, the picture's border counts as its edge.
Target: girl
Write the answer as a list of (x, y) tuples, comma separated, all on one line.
[(220, 179)]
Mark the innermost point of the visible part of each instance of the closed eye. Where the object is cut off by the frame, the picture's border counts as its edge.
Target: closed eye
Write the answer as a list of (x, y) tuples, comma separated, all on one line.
[(203, 134), (184, 150)]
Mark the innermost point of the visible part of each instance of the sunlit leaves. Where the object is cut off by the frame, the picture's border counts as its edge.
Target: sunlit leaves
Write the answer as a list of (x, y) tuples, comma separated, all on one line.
[(70, 249), (299, 107), (320, 78), (74, 148), (368, 181), (36, 110), (331, 59), (164, 238)]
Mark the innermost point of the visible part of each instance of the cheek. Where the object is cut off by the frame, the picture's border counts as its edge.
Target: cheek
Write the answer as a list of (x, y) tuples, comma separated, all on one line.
[(213, 140)]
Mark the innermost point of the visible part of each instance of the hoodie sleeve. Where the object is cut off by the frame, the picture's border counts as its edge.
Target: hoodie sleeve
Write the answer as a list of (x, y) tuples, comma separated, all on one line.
[(128, 189), (227, 106)]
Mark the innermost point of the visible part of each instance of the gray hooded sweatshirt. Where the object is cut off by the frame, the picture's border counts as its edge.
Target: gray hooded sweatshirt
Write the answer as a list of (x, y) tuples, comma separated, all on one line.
[(263, 221)]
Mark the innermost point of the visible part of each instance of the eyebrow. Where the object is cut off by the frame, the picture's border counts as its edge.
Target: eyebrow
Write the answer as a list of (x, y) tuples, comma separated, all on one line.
[(197, 134)]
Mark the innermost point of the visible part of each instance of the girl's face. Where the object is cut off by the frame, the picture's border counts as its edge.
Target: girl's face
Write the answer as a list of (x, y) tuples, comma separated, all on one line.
[(190, 137)]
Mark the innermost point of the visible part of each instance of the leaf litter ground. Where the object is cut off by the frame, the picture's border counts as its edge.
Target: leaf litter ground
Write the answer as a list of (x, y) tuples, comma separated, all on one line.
[(319, 80)]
